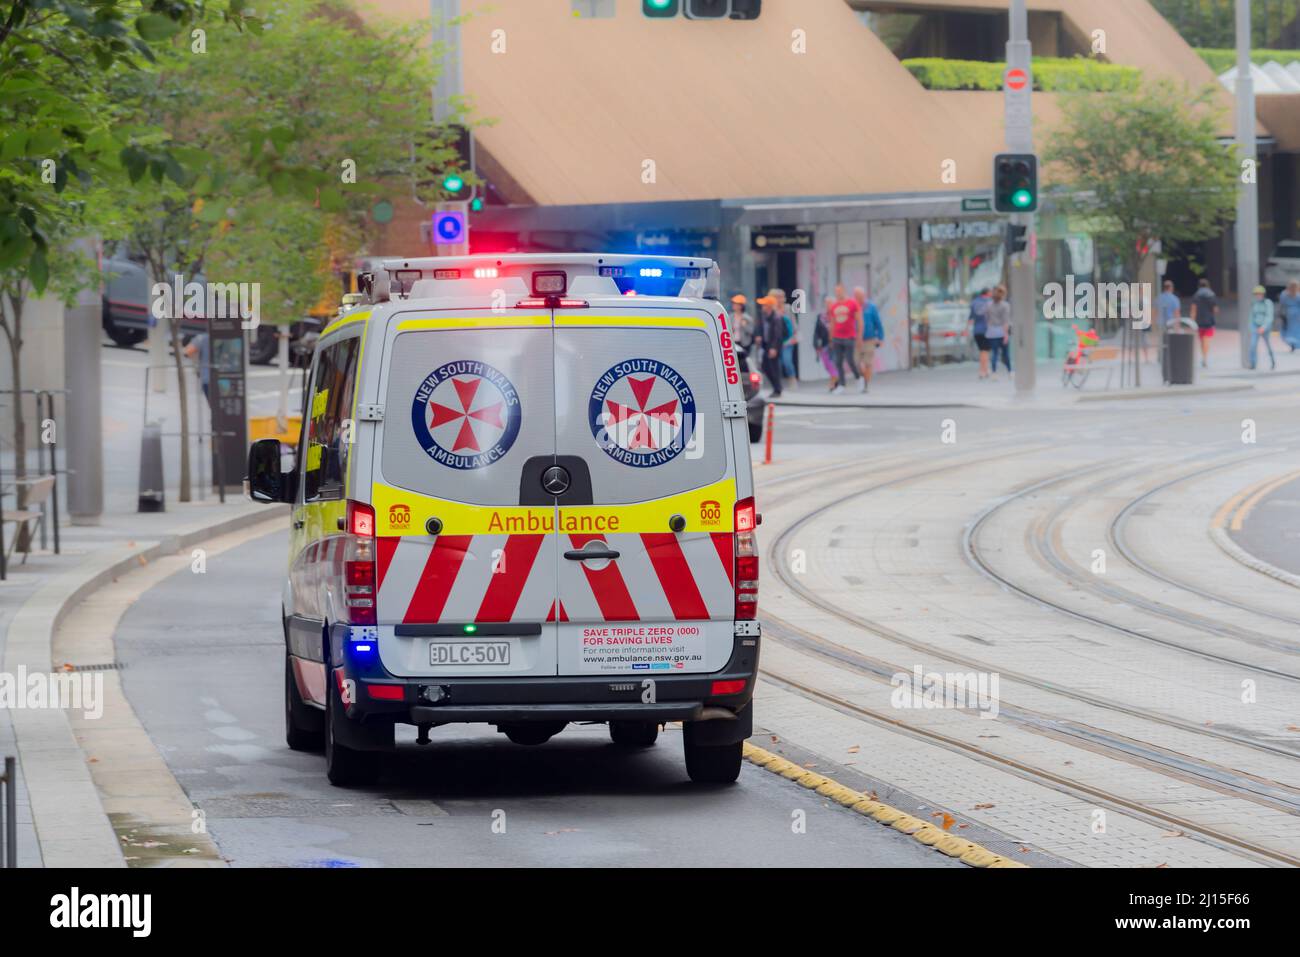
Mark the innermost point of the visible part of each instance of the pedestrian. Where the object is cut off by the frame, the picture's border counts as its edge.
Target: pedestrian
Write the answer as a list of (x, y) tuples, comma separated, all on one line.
[(789, 335), (199, 348), (997, 322), (1289, 304), (767, 339), (846, 332), (822, 339), (742, 324), (977, 326), (1262, 312), (1168, 306), (1205, 310), (873, 335)]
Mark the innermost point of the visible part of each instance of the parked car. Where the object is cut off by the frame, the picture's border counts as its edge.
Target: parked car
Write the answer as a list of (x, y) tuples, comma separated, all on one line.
[(755, 404), (1282, 267), (949, 338)]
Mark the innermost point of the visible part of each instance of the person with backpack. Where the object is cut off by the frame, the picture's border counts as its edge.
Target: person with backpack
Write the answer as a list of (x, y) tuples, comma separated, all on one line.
[(977, 325), (1205, 310)]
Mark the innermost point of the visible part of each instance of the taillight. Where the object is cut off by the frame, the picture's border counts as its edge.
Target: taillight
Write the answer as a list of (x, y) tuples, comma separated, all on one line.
[(359, 565), (746, 560), (755, 380)]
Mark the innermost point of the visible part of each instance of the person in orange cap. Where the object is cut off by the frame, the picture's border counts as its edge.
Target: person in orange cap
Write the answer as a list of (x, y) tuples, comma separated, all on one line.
[(742, 324)]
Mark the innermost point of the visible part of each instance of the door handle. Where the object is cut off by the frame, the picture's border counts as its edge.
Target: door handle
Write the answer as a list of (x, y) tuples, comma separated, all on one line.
[(583, 554)]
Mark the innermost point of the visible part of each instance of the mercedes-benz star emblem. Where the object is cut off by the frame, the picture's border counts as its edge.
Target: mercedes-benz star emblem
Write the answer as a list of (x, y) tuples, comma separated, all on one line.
[(556, 480)]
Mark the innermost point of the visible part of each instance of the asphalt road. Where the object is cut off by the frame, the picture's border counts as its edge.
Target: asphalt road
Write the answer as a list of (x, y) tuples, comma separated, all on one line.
[(1272, 530), (203, 660)]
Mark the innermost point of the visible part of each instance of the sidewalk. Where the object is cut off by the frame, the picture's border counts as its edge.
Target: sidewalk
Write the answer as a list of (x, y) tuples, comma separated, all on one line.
[(60, 820), (956, 384)]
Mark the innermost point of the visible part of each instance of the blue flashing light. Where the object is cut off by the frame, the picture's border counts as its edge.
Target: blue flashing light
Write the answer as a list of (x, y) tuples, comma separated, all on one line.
[(363, 648)]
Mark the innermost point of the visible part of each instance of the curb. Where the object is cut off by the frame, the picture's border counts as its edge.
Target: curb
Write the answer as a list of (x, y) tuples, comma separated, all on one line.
[(1236, 552), (968, 852), (1163, 393), (71, 827)]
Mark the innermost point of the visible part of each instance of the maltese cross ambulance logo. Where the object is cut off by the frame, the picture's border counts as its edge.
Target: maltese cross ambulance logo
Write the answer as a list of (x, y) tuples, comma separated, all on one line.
[(466, 415), (642, 413)]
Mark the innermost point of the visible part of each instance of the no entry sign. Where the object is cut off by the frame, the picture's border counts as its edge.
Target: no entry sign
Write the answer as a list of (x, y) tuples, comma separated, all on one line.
[(1016, 79)]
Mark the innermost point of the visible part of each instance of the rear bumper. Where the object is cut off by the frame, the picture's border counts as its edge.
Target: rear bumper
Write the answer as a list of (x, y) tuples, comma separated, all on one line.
[(636, 697)]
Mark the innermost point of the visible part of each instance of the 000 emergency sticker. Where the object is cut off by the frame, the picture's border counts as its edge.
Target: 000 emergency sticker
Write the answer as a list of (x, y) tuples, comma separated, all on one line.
[(651, 648), (642, 412), (466, 414)]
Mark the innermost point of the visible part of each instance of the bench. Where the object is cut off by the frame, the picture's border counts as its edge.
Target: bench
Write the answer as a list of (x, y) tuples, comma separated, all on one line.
[(38, 493)]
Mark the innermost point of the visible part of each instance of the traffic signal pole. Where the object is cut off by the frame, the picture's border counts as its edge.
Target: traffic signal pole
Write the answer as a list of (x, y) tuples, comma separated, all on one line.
[(1248, 191), (1020, 139)]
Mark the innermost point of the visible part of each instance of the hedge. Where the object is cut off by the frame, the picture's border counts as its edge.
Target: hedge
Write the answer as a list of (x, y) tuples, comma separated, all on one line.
[(1051, 74), (1221, 61)]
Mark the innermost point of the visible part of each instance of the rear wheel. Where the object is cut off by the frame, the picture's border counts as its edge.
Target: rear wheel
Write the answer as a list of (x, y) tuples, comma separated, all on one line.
[(713, 764), (126, 338), (345, 767), (533, 732), (304, 726), (634, 734)]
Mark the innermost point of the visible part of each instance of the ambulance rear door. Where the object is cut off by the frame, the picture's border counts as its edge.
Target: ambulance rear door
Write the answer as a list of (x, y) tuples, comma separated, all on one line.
[(640, 386), (466, 550)]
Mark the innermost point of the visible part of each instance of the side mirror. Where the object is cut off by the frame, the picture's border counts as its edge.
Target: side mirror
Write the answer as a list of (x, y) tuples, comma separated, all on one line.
[(266, 482)]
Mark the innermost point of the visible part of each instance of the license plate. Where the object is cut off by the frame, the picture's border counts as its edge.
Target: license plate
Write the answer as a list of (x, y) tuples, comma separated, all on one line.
[(469, 653)]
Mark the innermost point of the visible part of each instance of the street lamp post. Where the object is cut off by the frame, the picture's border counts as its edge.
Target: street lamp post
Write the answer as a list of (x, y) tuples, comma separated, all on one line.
[(1020, 139), (1247, 191)]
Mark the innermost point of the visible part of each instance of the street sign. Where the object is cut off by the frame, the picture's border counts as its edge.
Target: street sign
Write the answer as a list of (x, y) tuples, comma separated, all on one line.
[(977, 204), (1017, 90), (767, 238), (448, 227)]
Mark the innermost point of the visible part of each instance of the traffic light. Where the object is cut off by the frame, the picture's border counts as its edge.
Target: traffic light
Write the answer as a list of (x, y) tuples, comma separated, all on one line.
[(659, 9), (1015, 182), (1017, 239), (708, 9), (451, 179)]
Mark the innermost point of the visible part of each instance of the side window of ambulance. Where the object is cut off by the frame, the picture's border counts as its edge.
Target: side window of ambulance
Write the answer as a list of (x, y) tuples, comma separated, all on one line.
[(328, 432)]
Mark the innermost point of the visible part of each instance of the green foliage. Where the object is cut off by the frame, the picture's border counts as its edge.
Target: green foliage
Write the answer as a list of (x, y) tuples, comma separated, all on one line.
[(1221, 61), (1212, 23), (1148, 163), (1050, 74), (62, 135)]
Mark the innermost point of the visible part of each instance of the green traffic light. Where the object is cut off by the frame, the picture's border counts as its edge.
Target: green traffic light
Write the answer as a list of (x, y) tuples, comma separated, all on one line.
[(453, 183), (477, 204), (1022, 198)]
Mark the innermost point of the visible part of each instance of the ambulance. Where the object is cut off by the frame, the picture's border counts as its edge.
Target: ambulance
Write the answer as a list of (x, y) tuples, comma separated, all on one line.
[(522, 496)]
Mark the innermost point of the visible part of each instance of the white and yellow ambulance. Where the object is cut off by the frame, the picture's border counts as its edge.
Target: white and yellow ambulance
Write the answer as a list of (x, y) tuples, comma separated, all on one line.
[(522, 496)]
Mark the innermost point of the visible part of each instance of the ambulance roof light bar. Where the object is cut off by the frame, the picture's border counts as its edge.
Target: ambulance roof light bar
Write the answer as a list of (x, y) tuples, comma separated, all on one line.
[(701, 276)]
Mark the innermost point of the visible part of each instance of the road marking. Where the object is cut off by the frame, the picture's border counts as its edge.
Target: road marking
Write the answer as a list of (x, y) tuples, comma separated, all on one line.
[(1247, 506), (968, 852)]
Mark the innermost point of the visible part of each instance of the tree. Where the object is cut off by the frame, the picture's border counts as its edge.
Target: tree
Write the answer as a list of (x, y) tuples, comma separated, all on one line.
[(286, 136), (1145, 165)]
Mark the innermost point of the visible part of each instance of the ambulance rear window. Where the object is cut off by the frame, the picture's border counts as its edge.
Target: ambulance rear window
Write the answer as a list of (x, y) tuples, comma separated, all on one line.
[(465, 408), (642, 407)]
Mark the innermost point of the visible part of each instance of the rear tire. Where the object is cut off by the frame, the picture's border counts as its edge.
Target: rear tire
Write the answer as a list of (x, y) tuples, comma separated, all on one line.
[(344, 766), (264, 346), (713, 764), (304, 726), (634, 734), (126, 338), (533, 733)]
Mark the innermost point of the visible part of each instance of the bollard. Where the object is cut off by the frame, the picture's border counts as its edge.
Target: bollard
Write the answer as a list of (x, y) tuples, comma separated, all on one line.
[(152, 496), (767, 449)]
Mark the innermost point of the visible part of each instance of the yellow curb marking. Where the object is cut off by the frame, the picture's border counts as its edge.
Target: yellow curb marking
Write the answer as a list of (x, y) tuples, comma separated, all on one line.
[(965, 851), (1244, 511)]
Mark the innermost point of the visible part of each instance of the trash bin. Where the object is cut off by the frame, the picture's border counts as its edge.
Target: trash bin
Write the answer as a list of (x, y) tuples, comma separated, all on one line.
[(1180, 357), (152, 498)]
